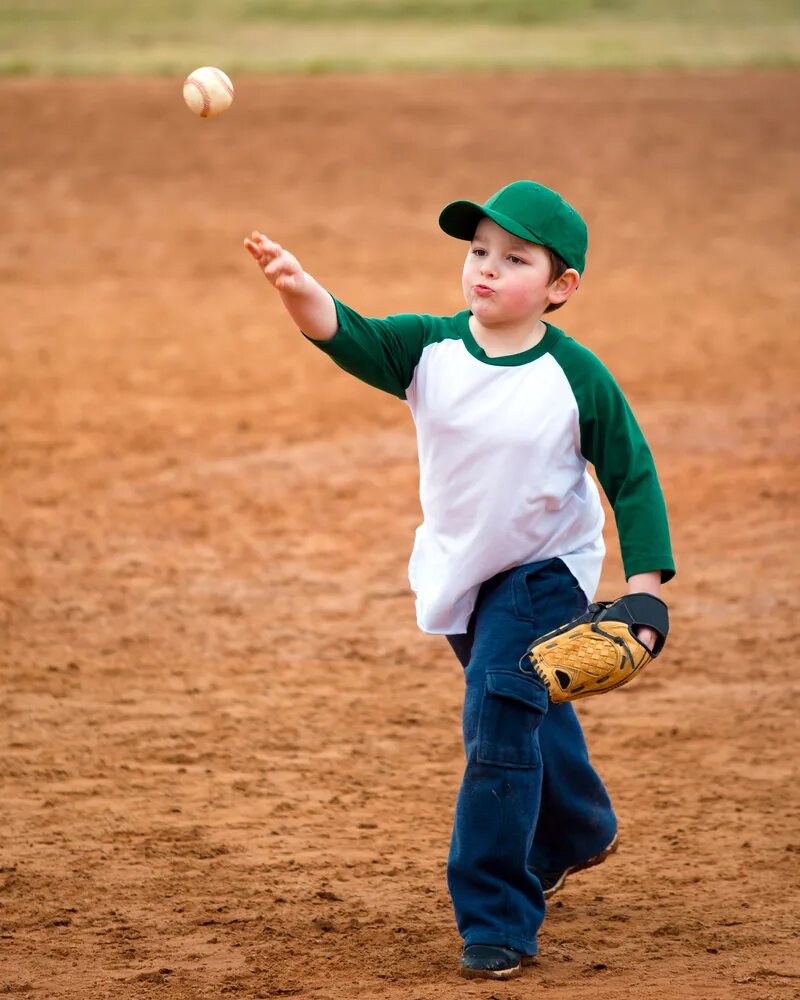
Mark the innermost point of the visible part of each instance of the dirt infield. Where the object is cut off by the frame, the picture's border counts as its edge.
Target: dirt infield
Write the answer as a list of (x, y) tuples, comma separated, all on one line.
[(229, 759)]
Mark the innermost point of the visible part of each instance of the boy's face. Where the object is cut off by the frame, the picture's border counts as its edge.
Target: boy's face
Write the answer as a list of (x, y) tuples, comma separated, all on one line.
[(506, 279)]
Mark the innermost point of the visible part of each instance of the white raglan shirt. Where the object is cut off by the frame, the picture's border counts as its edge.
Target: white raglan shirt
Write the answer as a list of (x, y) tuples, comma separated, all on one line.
[(503, 460)]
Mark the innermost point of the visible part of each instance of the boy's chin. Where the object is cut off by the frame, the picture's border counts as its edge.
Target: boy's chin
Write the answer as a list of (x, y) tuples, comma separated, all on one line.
[(489, 313), (484, 307)]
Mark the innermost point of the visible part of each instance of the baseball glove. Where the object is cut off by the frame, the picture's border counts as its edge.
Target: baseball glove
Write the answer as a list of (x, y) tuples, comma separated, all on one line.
[(598, 651)]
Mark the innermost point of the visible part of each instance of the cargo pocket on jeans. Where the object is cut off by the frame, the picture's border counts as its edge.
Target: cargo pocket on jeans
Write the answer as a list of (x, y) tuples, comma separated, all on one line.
[(512, 710)]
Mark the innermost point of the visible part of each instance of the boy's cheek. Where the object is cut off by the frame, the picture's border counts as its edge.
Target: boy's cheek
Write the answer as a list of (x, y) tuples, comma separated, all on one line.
[(522, 298), (467, 281)]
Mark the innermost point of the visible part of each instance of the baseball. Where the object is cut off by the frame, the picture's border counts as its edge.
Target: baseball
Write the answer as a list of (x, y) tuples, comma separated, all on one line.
[(208, 91)]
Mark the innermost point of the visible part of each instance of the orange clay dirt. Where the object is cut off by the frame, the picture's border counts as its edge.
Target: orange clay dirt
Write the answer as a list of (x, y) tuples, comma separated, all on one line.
[(229, 758)]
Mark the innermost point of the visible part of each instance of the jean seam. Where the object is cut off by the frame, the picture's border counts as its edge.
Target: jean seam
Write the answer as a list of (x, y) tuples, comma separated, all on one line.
[(506, 887), (508, 942)]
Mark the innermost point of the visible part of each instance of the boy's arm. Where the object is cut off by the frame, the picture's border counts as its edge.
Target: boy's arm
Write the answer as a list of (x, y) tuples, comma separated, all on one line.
[(306, 301), (381, 352), (610, 438)]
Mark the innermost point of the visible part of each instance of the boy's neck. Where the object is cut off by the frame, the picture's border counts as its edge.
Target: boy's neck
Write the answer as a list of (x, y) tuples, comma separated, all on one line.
[(498, 341)]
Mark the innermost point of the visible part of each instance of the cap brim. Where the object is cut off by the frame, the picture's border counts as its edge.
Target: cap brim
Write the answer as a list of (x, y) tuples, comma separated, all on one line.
[(461, 218)]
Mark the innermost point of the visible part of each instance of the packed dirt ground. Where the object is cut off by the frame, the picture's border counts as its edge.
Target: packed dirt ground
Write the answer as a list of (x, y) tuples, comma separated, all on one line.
[(229, 757)]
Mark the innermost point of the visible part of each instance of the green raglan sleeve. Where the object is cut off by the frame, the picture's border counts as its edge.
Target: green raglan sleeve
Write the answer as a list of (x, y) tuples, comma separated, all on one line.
[(613, 442), (380, 352)]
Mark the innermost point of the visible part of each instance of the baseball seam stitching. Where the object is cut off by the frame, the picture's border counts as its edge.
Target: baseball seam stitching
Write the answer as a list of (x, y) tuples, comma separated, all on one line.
[(203, 94), (221, 77)]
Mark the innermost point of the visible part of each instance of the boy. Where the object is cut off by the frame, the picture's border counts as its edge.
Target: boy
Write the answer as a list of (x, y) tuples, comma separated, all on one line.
[(508, 412)]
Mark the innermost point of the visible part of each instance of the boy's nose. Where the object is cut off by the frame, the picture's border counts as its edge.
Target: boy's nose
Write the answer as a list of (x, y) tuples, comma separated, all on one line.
[(488, 269)]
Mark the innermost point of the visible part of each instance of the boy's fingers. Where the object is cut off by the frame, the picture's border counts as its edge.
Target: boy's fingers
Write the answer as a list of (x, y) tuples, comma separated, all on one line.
[(646, 636), (265, 256), (261, 241), (275, 266), (279, 266), (253, 245), (270, 252)]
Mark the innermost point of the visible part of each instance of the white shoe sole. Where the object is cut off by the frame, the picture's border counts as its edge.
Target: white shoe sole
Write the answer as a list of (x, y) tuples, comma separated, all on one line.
[(466, 973)]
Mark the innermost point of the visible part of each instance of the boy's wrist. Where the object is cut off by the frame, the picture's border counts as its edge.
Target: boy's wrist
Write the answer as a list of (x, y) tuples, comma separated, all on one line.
[(645, 583), (311, 307)]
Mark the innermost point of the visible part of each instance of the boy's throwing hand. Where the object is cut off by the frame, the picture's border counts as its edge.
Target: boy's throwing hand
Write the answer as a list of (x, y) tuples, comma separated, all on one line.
[(307, 302), (281, 268)]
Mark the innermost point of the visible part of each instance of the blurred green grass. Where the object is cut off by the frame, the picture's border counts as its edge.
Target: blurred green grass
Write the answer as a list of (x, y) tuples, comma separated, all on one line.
[(169, 36)]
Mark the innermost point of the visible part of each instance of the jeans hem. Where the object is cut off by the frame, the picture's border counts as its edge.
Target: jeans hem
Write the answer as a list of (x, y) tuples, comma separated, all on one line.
[(521, 945)]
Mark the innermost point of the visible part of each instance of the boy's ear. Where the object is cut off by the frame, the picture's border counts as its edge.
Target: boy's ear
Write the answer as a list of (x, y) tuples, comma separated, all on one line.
[(563, 287)]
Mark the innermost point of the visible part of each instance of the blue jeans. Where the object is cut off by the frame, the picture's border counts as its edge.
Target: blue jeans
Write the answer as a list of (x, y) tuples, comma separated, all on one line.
[(530, 797)]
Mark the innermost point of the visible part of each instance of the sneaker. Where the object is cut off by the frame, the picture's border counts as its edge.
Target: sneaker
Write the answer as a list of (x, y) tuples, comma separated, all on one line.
[(552, 881), (490, 961)]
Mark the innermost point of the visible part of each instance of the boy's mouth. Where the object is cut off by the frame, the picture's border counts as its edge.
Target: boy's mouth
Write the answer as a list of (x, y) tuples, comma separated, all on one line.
[(482, 290)]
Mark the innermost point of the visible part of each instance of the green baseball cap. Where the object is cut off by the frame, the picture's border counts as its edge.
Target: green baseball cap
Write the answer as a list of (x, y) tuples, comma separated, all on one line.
[(528, 210)]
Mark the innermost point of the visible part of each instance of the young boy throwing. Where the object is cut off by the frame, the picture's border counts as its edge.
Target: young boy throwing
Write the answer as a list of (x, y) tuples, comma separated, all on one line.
[(508, 411)]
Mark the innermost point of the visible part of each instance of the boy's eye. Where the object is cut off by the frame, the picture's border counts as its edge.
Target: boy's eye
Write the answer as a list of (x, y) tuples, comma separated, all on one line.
[(479, 251), (515, 260)]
